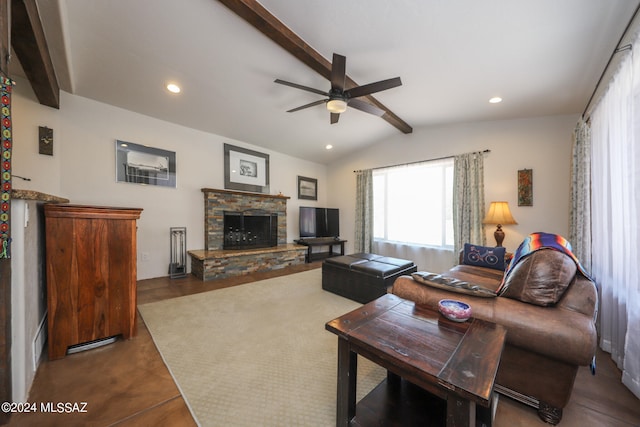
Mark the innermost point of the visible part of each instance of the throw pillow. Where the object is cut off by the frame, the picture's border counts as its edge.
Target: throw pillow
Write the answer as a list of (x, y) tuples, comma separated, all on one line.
[(540, 278), (484, 256), (451, 284)]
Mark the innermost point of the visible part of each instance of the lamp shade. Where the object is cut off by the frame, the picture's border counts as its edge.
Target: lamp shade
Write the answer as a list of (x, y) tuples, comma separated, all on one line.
[(499, 213)]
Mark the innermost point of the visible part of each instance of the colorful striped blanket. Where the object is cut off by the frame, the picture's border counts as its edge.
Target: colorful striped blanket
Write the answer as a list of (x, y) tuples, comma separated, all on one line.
[(537, 241)]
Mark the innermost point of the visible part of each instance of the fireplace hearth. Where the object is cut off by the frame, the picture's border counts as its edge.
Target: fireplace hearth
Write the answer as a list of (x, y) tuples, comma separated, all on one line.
[(250, 229)]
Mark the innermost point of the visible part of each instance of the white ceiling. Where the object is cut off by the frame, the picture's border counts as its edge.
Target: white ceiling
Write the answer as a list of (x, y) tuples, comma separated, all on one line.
[(543, 57)]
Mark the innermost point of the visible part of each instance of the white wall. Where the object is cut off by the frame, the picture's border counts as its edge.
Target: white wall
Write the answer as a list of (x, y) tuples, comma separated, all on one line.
[(82, 169), (542, 144), (28, 304)]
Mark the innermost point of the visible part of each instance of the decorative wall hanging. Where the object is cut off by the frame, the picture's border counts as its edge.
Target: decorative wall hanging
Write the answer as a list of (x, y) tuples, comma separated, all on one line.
[(525, 187), (5, 178), (307, 188), (45, 140), (140, 164), (245, 170)]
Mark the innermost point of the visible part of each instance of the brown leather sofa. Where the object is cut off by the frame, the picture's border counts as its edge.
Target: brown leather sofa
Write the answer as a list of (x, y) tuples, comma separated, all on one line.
[(545, 343)]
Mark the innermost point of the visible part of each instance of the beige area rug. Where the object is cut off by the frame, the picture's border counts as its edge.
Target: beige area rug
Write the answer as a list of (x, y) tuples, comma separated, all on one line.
[(257, 354)]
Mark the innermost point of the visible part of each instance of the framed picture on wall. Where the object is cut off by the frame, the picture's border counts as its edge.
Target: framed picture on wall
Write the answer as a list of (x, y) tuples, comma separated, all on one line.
[(307, 188), (525, 187), (140, 164), (245, 170)]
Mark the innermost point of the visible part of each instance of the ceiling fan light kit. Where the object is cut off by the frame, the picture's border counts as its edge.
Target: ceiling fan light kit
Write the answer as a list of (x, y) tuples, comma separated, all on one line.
[(337, 106), (338, 98)]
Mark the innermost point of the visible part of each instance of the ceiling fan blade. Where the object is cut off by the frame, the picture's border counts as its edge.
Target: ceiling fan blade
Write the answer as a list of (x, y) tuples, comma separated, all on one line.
[(366, 107), (373, 87), (311, 104), (335, 117), (338, 72), (297, 86)]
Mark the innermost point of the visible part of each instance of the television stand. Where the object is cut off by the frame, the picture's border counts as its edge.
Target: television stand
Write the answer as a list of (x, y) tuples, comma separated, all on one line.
[(311, 243)]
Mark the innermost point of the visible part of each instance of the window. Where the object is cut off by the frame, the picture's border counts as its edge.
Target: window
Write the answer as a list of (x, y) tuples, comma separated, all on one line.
[(414, 203)]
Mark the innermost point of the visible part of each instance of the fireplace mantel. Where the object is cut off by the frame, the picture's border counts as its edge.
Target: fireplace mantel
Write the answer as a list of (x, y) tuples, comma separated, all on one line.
[(244, 193)]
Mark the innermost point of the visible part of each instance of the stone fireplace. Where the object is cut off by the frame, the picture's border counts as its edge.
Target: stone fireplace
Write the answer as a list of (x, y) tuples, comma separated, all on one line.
[(249, 229), (216, 202), (244, 233)]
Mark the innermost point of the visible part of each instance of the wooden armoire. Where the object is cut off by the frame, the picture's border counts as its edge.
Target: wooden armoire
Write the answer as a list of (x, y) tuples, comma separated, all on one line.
[(91, 274)]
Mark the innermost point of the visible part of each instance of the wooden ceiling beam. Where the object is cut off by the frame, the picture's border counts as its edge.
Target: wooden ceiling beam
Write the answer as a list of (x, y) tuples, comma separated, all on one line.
[(30, 45), (261, 19), (5, 49)]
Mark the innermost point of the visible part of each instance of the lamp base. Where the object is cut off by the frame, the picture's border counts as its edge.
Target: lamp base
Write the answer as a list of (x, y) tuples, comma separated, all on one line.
[(499, 236)]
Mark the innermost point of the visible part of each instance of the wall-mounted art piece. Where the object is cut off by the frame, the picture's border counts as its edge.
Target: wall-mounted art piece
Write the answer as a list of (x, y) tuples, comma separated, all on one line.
[(307, 188), (245, 170), (525, 187), (45, 140), (140, 164)]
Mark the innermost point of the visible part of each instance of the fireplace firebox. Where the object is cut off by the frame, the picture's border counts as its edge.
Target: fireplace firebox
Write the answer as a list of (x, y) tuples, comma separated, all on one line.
[(250, 229)]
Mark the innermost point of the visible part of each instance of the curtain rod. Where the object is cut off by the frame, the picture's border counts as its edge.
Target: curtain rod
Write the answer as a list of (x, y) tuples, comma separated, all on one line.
[(617, 50), (413, 163)]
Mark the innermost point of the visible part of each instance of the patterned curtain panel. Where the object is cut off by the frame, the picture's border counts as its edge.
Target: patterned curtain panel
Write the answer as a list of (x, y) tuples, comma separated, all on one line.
[(468, 200), (580, 215), (364, 211)]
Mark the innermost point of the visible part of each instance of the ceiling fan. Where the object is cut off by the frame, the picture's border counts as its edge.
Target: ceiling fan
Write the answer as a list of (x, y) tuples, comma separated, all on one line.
[(338, 98)]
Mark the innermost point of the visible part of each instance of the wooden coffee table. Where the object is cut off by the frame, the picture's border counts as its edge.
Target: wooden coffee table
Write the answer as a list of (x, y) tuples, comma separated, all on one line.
[(456, 362)]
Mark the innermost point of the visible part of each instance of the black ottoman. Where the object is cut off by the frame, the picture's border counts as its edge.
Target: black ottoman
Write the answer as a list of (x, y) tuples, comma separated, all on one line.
[(363, 277)]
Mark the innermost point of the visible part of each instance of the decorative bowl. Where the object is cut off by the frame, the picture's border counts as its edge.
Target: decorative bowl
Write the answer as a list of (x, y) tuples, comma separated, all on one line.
[(456, 311)]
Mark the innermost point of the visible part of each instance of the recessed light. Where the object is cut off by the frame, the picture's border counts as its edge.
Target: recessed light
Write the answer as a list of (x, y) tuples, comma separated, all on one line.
[(329, 146), (173, 88), (495, 100)]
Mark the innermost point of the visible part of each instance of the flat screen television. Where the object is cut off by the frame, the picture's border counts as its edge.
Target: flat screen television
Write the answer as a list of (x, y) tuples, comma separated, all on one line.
[(319, 222)]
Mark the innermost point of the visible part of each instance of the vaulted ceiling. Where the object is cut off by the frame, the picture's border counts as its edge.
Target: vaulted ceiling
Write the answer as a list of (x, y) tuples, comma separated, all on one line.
[(543, 57)]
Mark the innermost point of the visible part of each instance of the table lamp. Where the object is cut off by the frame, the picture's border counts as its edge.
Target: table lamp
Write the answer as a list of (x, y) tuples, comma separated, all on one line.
[(499, 214)]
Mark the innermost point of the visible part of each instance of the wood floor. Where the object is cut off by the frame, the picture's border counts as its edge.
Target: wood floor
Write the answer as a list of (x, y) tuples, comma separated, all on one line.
[(127, 384)]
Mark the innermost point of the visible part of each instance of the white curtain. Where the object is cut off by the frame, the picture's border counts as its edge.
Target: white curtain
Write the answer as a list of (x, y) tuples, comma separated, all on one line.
[(615, 176)]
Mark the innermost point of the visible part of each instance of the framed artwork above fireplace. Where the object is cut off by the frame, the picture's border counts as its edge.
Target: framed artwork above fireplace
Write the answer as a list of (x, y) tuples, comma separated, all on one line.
[(245, 170)]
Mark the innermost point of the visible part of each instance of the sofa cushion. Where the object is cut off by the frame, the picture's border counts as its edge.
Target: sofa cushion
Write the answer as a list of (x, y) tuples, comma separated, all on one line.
[(484, 256), (452, 284), (540, 278)]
